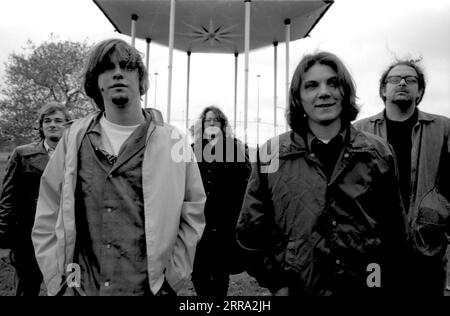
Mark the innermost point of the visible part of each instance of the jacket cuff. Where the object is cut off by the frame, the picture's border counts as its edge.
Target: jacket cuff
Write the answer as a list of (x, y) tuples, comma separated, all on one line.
[(175, 283), (54, 285), (277, 283)]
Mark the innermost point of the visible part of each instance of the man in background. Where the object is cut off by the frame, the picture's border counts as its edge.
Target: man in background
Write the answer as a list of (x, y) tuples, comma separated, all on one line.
[(19, 196), (421, 142)]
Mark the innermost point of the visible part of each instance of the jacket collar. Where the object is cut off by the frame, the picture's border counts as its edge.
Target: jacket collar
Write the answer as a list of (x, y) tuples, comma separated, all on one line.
[(293, 143), (34, 148), (80, 127), (381, 117)]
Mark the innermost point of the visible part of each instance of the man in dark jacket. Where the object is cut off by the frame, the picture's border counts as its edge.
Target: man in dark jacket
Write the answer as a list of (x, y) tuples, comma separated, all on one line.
[(421, 142), (19, 196), (323, 214), (225, 168)]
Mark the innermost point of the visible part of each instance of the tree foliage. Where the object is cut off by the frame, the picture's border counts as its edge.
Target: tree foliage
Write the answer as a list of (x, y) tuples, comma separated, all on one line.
[(47, 72)]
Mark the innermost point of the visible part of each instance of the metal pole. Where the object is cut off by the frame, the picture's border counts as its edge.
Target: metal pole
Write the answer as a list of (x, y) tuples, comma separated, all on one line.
[(257, 114), (147, 65), (187, 89), (287, 22), (247, 49), (134, 18), (235, 88), (171, 40), (156, 81), (275, 71)]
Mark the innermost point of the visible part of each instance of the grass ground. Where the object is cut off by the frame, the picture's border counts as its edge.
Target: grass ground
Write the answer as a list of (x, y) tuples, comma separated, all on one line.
[(240, 284)]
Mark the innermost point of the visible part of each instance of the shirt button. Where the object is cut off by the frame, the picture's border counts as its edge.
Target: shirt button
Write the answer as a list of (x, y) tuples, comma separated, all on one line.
[(346, 155), (109, 210), (107, 284), (108, 246), (338, 262)]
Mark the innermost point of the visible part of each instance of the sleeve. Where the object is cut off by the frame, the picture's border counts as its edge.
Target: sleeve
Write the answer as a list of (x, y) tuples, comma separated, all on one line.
[(192, 224), (44, 234), (447, 166), (247, 165), (8, 201), (255, 230), (447, 177)]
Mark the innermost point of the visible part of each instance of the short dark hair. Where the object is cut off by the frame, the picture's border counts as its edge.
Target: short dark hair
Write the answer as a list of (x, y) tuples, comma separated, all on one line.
[(296, 114), (48, 109), (100, 57), (405, 62)]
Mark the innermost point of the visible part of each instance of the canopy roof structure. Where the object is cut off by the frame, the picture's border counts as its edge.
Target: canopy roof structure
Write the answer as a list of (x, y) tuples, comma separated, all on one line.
[(215, 26)]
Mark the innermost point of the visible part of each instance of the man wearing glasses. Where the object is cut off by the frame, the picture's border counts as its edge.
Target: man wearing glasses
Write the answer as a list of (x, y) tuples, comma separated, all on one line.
[(421, 142)]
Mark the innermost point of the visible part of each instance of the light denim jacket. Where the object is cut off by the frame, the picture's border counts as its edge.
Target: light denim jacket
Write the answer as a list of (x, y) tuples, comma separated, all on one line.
[(429, 210), (174, 199)]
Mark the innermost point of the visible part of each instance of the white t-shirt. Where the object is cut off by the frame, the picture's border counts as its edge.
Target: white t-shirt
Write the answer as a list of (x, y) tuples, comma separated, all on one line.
[(325, 141), (113, 135)]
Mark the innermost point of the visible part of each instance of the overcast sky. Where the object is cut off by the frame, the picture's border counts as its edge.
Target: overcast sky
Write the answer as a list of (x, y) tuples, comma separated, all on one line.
[(366, 34)]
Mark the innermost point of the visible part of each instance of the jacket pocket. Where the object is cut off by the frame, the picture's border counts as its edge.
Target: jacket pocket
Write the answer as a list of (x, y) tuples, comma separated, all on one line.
[(429, 231)]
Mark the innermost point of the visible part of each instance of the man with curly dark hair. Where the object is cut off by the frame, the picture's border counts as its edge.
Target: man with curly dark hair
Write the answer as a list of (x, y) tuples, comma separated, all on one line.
[(225, 168)]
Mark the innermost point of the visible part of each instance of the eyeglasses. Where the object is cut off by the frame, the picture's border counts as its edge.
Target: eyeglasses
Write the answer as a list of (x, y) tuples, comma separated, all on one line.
[(398, 79), (212, 120)]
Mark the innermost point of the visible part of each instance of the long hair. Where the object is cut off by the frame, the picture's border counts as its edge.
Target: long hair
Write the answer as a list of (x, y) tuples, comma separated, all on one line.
[(99, 60), (404, 62), (49, 109), (198, 129), (295, 114)]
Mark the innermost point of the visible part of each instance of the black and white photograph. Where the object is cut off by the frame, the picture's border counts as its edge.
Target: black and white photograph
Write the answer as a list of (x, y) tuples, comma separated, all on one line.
[(219, 153)]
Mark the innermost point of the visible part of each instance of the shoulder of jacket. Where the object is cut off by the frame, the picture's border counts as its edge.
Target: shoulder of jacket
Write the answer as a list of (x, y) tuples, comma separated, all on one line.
[(376, 143), (271, 148), (81, 123), (436, 121), (367, 120), (170, 130), (27, 149)]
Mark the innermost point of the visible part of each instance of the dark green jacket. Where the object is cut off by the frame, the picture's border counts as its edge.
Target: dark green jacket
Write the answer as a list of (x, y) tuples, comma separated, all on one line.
[(318, 237), (19, 195)]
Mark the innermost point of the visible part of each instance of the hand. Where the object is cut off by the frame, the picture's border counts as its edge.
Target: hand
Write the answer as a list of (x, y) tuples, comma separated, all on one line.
[(5, 255), (284, 291)]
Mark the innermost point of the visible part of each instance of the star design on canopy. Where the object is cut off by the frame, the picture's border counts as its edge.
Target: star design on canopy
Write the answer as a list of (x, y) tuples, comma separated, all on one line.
[(213, 35)]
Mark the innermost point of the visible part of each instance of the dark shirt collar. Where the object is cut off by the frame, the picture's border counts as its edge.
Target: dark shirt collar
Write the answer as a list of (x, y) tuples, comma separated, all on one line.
[(411, 121), (339, 138)]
